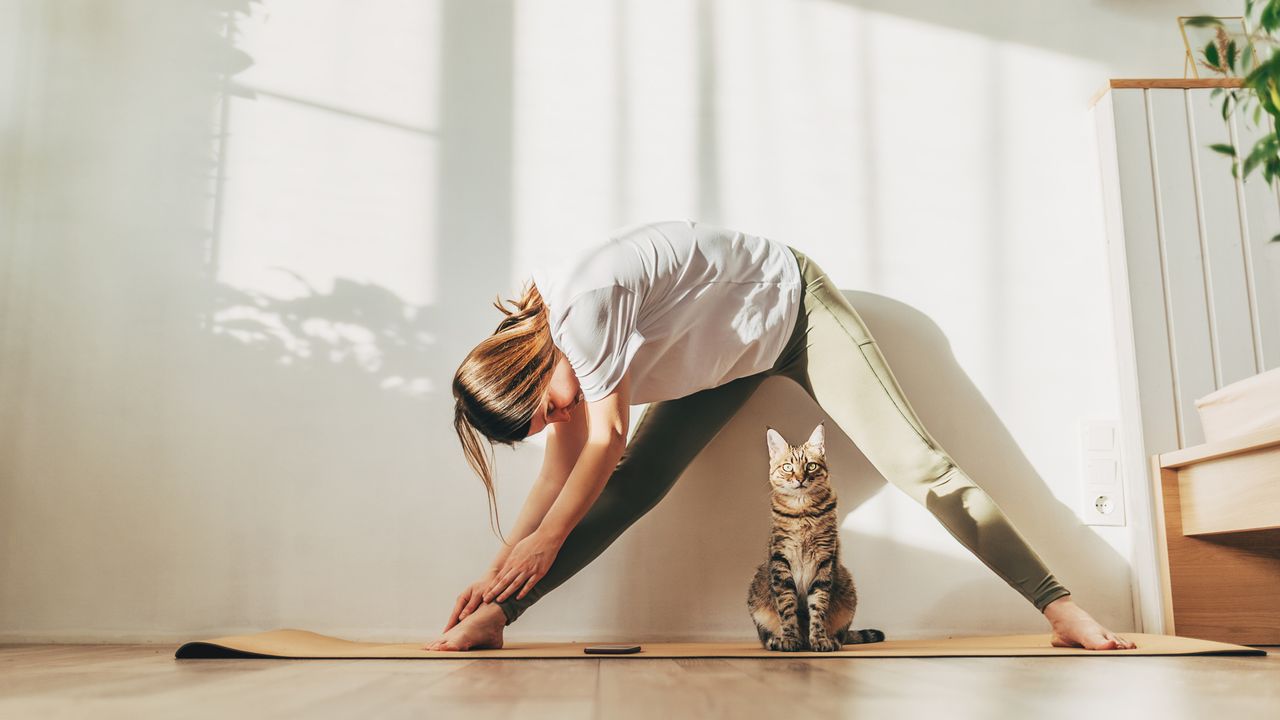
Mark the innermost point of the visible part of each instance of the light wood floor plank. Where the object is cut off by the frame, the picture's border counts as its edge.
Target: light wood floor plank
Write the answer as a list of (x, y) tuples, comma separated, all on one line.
[(677, 688)]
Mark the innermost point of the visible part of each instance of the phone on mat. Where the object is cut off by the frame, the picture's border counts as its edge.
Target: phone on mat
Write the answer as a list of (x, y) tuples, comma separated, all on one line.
[(611, 649)]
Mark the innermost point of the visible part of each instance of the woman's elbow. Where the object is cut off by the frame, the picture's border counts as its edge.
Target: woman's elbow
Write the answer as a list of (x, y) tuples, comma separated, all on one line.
[(613, 440)]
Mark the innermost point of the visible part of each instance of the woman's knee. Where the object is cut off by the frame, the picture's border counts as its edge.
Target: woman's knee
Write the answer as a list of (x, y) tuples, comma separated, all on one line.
[(922, 476)]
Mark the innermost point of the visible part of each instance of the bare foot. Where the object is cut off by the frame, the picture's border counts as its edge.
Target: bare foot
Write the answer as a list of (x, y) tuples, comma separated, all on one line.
[(480, 630), (1073, 627)]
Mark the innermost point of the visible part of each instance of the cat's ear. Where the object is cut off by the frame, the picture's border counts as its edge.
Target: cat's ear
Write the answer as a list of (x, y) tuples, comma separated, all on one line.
[(777, 445), (818, 440)]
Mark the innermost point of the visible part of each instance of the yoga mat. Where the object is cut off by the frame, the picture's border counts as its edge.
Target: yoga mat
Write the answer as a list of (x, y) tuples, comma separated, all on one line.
[(303, 644)]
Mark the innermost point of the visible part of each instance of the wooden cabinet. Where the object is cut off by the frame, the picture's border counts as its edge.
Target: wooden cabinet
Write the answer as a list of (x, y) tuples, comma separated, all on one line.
[(1218, 526)]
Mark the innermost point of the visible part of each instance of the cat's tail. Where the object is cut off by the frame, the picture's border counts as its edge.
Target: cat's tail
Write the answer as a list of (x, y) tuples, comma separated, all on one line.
[(854, 637)]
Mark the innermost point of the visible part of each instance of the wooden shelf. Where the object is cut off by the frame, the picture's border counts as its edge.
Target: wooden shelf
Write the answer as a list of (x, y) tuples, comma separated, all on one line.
[(1177, 84), (1229, 486), (1221, 448), (1164, 84)]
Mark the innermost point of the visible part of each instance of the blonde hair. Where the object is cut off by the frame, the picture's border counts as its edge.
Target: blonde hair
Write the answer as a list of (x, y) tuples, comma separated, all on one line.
[(498, 387)]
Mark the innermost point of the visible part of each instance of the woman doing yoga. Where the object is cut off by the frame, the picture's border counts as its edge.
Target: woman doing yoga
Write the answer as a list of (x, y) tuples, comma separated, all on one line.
[(691, 319)]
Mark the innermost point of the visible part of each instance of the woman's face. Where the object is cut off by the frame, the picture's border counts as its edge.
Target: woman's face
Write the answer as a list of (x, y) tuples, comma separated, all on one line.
[(562, 397)]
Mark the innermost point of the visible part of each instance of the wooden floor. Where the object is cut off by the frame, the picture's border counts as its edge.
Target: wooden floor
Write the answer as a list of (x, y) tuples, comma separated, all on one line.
[(136, 681)]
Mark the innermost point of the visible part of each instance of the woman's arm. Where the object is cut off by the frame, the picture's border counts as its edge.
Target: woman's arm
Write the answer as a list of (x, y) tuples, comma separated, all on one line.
[(564, 444), (565, 441), (608, 420), (580, 491)]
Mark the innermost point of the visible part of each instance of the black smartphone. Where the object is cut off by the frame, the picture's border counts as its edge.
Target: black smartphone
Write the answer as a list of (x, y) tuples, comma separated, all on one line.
[(611, 649)]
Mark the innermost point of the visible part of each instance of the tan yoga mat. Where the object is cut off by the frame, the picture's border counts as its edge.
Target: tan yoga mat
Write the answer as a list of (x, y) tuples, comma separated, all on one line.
[(303, 644)]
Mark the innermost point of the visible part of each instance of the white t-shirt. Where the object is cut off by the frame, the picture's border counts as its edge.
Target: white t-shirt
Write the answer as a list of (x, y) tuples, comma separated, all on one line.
[(685, 306)]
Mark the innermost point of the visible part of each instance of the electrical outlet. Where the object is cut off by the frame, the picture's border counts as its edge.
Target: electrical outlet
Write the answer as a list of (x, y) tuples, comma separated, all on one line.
[(1101, 484), (1103, 507)]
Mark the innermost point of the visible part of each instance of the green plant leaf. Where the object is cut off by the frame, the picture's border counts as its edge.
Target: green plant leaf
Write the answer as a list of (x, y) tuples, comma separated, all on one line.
[(1259, 91), (1267, 20), (1264, 101), (1251, 162), (1261, 80), (1262, 150), (1202, 21), (1211, 55), (1275, 238), (1273, 93)]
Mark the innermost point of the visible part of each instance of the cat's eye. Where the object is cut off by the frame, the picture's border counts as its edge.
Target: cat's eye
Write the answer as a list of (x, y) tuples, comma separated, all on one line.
[(811, 467), (788, 467)]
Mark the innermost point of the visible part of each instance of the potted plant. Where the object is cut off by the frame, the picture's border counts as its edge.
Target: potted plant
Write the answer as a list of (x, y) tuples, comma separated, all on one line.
[(1257, 99)]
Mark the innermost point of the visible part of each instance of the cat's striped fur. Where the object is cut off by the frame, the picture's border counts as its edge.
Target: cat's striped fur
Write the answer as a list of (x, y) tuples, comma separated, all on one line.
[(802, 597)]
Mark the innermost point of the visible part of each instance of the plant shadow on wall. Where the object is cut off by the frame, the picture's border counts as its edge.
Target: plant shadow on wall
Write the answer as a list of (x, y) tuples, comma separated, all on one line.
[(315, 425), (357, 325), (323, 437)]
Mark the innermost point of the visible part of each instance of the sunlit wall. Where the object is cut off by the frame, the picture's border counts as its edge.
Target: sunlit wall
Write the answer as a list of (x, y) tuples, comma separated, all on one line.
[(247, 243)]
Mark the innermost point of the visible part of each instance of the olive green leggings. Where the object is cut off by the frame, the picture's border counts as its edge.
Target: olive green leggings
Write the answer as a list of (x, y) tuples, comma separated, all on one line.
[(833, 357)]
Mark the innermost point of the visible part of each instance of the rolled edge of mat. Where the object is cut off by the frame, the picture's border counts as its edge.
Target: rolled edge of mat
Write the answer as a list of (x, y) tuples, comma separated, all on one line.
[(201, 650)]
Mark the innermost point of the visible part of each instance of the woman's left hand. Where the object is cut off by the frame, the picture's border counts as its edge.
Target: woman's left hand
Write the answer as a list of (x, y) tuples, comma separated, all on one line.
[(527, 563)]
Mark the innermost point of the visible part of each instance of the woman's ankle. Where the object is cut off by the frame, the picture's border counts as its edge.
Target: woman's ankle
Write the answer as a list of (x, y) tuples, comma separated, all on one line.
[(491, 613), (508, 610), (1060, 607)]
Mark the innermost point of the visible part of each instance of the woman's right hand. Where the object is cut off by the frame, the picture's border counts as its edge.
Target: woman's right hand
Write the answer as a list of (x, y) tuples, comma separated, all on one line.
[(469, 599)]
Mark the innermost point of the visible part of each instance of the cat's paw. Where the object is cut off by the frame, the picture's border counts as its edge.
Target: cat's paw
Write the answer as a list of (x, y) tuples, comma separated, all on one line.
[(786, 644), (824, 644)]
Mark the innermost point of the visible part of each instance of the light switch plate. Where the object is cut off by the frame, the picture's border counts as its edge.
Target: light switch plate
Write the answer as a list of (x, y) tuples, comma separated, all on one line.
[(1101, 483), (1100, 471), (1099, 437)]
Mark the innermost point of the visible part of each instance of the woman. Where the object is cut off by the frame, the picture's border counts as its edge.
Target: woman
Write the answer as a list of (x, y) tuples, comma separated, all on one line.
[(690, 318)]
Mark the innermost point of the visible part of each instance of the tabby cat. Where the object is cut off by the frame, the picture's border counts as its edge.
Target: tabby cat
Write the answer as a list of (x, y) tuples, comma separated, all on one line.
[(802, 598)]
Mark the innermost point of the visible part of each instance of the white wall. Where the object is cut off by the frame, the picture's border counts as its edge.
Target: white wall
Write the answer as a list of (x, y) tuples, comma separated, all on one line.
[(231, 309)]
